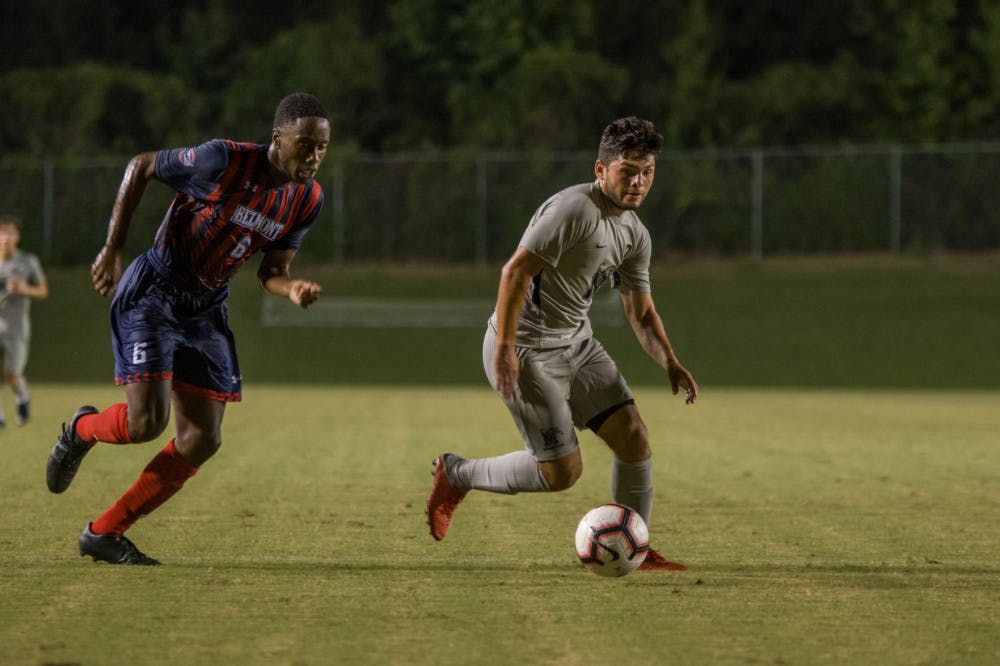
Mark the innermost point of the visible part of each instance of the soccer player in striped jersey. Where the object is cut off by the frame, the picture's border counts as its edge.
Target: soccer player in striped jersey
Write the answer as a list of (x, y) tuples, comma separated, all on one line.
[(169, 331), (539, 352)]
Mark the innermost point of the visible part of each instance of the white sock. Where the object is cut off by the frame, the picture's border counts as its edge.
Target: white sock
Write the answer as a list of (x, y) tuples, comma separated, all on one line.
[(21, 391), (513, 473), (632, 485)]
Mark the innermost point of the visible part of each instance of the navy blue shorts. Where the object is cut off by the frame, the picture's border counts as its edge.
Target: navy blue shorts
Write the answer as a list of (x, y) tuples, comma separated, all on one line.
[(160, 332)]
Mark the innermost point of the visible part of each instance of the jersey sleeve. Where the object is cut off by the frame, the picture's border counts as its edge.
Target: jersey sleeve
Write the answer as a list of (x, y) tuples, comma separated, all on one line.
[(36, 275), (310, 213), (193, 171), (633, 273), (556, 226)]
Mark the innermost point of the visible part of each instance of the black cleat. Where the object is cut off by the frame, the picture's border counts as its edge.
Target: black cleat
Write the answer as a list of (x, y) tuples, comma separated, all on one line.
[(67, 454), (23, 412), (112, 549)]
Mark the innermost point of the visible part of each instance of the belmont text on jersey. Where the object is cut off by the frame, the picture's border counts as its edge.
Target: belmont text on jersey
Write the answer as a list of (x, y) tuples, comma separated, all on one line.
[(259, 222), (227, 208)]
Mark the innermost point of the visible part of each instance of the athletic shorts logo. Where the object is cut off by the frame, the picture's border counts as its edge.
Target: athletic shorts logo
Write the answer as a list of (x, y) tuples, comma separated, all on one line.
[(186, 157), (550, 437)]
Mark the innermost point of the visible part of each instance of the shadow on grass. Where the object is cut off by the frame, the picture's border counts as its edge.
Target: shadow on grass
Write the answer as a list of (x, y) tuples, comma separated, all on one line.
[(888, 575)]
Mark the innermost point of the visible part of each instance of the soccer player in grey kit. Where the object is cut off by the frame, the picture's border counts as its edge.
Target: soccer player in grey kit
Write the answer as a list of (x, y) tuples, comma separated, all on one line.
[(539, 351), (21, 280)]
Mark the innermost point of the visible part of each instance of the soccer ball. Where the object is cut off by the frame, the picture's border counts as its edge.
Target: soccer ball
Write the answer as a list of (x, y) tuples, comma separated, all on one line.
[(612, 540)]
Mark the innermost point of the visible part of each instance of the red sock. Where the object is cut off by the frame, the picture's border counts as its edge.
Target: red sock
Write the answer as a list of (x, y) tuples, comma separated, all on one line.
[(110, 426), (163, 476)]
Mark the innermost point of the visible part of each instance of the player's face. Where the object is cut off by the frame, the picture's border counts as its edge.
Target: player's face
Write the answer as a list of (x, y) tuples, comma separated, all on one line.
[(9, 237), (301, 147), (627, 179)]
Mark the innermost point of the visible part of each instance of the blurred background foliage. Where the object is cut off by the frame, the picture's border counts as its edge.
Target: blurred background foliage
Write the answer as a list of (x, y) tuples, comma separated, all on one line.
[(85, 77)]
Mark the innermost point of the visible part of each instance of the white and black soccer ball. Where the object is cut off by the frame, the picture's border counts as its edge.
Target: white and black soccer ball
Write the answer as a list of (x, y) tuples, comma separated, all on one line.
[(612, 540)]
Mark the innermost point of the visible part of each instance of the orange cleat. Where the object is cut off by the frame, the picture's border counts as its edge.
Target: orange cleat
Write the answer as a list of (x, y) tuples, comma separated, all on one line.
[(656, 562), (442, 502)]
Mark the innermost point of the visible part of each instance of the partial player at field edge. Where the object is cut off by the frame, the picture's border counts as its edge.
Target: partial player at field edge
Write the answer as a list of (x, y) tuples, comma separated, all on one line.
[(21, 280)]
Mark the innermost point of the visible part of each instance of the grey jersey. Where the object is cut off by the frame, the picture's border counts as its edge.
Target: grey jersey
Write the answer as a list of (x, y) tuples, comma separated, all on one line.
[(583, 246), (15, 308)]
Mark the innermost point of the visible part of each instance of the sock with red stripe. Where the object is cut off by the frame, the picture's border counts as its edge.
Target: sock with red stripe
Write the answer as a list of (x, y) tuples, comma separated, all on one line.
[(164, 475), (109, 426)]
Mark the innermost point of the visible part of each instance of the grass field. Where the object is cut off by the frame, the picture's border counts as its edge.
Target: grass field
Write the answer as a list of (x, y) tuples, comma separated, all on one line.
[(821, 527), (848, 322)]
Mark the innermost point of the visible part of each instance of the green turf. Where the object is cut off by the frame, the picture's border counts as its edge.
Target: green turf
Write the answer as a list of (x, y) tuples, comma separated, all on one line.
[(861, 322), (822, 527)]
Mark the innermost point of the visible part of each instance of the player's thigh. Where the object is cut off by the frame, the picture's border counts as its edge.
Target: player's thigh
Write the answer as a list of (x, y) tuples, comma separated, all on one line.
[(625, 433), (598, 389), (206, 362), (539, 406), (541, 409), (148, 408), (144, 331), (14, 355)]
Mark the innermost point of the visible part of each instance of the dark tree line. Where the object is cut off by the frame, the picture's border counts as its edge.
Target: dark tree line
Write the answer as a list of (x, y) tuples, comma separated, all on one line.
[(82, 77)]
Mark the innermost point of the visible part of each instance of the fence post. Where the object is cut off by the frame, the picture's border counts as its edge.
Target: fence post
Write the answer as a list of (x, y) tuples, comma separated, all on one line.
[(757, 202), (895, 199)]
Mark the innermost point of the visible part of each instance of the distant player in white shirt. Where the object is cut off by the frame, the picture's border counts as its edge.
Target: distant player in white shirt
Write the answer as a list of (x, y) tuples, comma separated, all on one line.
[(539, 351), (21, 279)]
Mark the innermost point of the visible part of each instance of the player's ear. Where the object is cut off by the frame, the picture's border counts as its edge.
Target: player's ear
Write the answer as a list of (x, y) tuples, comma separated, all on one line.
[(275, 135), (599, 170)]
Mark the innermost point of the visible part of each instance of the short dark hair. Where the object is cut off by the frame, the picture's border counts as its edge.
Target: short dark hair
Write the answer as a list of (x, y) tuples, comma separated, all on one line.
[(628, 135), (11, 220), (298, 105)]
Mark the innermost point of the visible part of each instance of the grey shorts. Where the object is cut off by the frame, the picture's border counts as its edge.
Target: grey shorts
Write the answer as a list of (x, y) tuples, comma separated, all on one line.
[(558, 389), (14, 352)]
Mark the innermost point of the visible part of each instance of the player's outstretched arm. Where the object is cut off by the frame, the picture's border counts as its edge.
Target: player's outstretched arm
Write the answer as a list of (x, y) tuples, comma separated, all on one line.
[(275, 276), (107, 267), (648, 327)]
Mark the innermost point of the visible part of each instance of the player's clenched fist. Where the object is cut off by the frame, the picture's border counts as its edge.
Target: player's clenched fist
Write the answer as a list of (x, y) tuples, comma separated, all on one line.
[(304, 292)]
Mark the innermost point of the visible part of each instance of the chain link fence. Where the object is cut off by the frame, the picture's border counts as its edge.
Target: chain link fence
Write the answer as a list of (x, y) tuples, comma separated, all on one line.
[(472, 208)]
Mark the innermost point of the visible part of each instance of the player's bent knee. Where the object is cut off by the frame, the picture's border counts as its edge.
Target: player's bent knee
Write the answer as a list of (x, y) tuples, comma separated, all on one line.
[(144, 427), (198, 450), (206, 451), (631, 442), (639, 437), (561, 476), (561, 483), (634, 430)]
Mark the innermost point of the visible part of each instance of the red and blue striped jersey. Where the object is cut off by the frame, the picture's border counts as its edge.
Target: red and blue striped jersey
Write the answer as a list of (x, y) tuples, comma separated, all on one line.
[(226, 209)]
